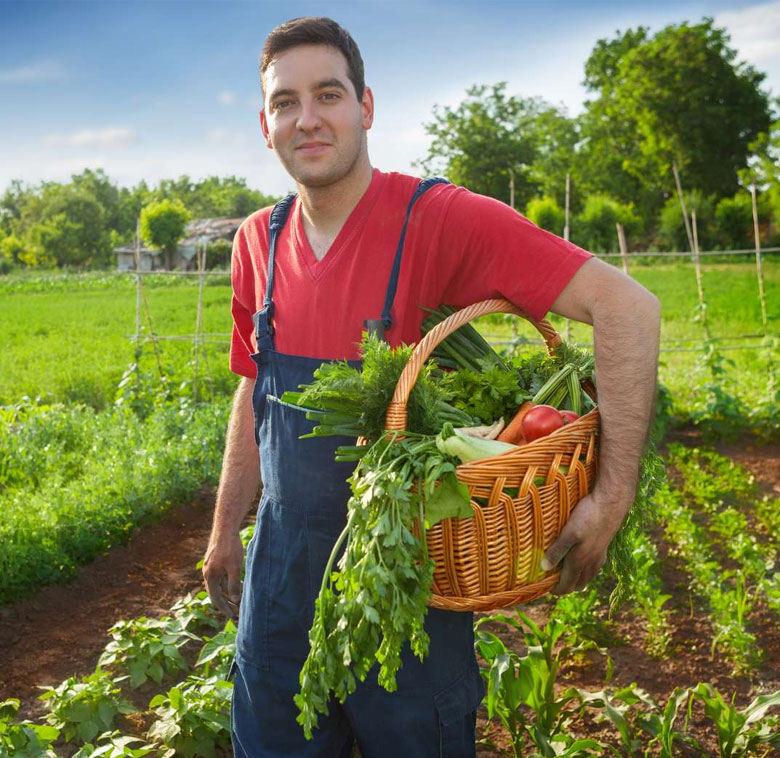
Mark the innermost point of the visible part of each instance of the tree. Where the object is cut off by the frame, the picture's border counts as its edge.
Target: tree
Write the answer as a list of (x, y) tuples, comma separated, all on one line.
[(671, 228), (162, 226), (678, 96), (488, 138)]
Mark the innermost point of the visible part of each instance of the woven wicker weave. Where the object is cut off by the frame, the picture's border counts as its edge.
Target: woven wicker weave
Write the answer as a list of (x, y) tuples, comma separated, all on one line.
[(493, 560)]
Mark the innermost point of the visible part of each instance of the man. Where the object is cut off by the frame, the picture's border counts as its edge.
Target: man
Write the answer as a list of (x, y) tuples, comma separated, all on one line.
[(356, 244)]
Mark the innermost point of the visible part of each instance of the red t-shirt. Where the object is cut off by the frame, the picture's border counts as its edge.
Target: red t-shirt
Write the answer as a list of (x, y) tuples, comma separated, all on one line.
[(460, 248)]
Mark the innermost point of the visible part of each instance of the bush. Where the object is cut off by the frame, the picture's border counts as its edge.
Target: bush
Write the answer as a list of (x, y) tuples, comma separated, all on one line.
[(546, 214), (595, 228), (671, 227)]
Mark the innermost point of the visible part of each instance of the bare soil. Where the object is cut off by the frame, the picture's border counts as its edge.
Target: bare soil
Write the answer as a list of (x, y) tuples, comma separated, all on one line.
[(61, 631)]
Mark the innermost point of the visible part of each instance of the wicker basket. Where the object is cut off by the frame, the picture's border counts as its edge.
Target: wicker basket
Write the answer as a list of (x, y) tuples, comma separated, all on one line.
[(493, 560)]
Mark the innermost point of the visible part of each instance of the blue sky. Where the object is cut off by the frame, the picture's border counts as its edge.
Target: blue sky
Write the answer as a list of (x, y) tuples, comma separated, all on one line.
[(152, 90)]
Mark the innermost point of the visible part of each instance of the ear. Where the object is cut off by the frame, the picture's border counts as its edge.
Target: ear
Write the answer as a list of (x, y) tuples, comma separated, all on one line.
[(264, 127), (367, 108)]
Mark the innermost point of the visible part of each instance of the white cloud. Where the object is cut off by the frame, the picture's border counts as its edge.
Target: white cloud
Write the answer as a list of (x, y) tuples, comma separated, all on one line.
[(226, 97), (40, 71), (755, 32), (109, 137)]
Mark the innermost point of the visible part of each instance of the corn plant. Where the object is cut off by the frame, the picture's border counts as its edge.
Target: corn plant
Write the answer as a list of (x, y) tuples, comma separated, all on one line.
[(147, 648), (193, 719), (578, 613), (115, 745), (740, 732), (521, 689), (24, 739), (84, 708), (649, 598)]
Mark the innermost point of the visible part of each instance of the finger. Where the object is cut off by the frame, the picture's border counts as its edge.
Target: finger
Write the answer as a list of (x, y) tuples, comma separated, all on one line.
[(234, 588), (218, 600), (570, 575), (558, 550)]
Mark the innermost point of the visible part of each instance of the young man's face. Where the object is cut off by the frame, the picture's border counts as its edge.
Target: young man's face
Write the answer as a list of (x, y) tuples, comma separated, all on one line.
[(311, 115)]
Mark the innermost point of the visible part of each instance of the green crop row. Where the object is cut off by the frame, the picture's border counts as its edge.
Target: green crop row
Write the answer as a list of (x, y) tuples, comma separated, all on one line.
[(74, 482), (524, 697)]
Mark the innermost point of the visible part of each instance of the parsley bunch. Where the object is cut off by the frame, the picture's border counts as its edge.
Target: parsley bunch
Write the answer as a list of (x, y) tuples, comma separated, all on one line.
[(376, 601)]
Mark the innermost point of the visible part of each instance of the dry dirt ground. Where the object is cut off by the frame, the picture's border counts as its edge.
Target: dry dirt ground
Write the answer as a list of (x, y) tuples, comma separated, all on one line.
[(61, 631)]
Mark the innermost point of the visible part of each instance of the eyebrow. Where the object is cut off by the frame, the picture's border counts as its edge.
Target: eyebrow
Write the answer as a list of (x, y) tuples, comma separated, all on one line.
[(324, 84)]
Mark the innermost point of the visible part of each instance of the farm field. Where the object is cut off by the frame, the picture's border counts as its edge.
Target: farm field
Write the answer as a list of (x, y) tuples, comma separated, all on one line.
[(84, 479)]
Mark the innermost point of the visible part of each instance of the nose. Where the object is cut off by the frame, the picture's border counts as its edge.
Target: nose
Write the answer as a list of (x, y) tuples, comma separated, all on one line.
[(308, 117)]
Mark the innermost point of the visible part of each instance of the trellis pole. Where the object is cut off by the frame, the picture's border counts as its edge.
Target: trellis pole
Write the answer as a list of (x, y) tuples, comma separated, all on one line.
[(759, 270), (682, 203), (138, 285), (623, 247), (201, 258), (566, 237), (699, 285)]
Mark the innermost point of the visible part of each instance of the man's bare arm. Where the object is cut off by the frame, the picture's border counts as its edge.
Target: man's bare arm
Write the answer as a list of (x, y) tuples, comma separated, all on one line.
[(238, 484), (626, 332)]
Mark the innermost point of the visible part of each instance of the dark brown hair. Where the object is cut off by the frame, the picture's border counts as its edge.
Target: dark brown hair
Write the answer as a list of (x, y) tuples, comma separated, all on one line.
[(315, 30)]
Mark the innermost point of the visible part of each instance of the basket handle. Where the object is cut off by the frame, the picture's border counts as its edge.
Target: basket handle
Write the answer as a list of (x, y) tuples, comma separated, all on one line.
[(395, 420)]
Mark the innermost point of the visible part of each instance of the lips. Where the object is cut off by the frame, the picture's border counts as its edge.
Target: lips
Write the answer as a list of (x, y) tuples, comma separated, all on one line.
[(312, 148)]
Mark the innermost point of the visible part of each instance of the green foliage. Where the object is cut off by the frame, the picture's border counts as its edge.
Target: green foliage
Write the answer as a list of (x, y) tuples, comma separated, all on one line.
[(23, 739), (490, 135), (82, 709), (546, 214), (734, 219), (741, 732), (521, 691), (595, 227), (116, 472), (115, 745), (218, 652), (194, 718), (147, 648), (677, 96), (162, 225)]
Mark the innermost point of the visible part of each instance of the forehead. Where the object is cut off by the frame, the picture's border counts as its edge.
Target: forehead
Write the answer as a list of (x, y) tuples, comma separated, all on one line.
[(300, 68)]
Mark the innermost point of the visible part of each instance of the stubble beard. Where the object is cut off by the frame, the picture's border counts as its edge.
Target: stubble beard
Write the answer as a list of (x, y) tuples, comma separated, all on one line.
[(316, 177)]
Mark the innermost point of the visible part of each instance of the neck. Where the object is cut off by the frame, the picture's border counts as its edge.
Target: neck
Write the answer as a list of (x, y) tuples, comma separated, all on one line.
[(327, 208)]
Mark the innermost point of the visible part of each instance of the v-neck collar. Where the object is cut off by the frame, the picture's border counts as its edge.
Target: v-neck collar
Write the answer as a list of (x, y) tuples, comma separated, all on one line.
[(354, 223)]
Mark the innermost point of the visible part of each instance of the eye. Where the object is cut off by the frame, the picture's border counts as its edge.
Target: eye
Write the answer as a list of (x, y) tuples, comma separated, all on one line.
[(330, 96), (280, 105)]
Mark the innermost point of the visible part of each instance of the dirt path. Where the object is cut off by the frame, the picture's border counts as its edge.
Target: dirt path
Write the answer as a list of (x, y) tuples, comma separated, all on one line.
[(61, 631)]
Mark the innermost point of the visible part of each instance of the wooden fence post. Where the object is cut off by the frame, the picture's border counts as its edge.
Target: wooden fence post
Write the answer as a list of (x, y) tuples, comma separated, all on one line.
[(699, 285), (623, 248), (682, 204)]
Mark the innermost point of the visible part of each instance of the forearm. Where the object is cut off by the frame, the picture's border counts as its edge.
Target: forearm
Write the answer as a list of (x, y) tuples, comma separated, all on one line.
[(626, 330), (240, 477)]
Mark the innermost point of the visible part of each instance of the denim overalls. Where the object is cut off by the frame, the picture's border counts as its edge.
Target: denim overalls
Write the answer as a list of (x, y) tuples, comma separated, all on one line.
[(301, 513)]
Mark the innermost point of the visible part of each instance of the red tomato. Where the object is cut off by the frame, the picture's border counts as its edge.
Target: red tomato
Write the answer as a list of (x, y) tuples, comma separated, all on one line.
[(568, 416), (540, 421)]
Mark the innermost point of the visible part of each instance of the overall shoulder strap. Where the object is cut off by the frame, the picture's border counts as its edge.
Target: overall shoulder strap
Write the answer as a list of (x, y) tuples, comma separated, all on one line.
[(381, 325), (276, 222)]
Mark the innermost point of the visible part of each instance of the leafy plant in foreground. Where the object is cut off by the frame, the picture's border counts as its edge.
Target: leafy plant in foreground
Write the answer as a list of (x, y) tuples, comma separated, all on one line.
[(148, 648), (193, 719), (24, 739), (115, 745), (521, 689), (85, 708), (740, 732)]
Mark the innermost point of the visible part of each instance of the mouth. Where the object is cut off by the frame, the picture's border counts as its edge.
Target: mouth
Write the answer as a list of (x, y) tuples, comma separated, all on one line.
[(312, 148)]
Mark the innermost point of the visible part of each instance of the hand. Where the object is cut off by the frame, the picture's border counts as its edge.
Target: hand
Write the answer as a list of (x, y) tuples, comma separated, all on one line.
[(583, 543), (222, 574)]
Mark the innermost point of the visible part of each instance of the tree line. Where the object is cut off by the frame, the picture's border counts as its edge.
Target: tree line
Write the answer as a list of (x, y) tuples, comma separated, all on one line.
[(678, 97), (77, 224), (674, 99)]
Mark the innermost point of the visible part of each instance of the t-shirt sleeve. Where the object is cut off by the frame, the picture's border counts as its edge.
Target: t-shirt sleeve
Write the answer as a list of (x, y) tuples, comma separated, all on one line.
[(241, 308), (500, 253)]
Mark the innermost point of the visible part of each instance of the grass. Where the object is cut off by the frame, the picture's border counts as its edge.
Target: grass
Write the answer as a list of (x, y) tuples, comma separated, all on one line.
[(73, 346), (66, 337)]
